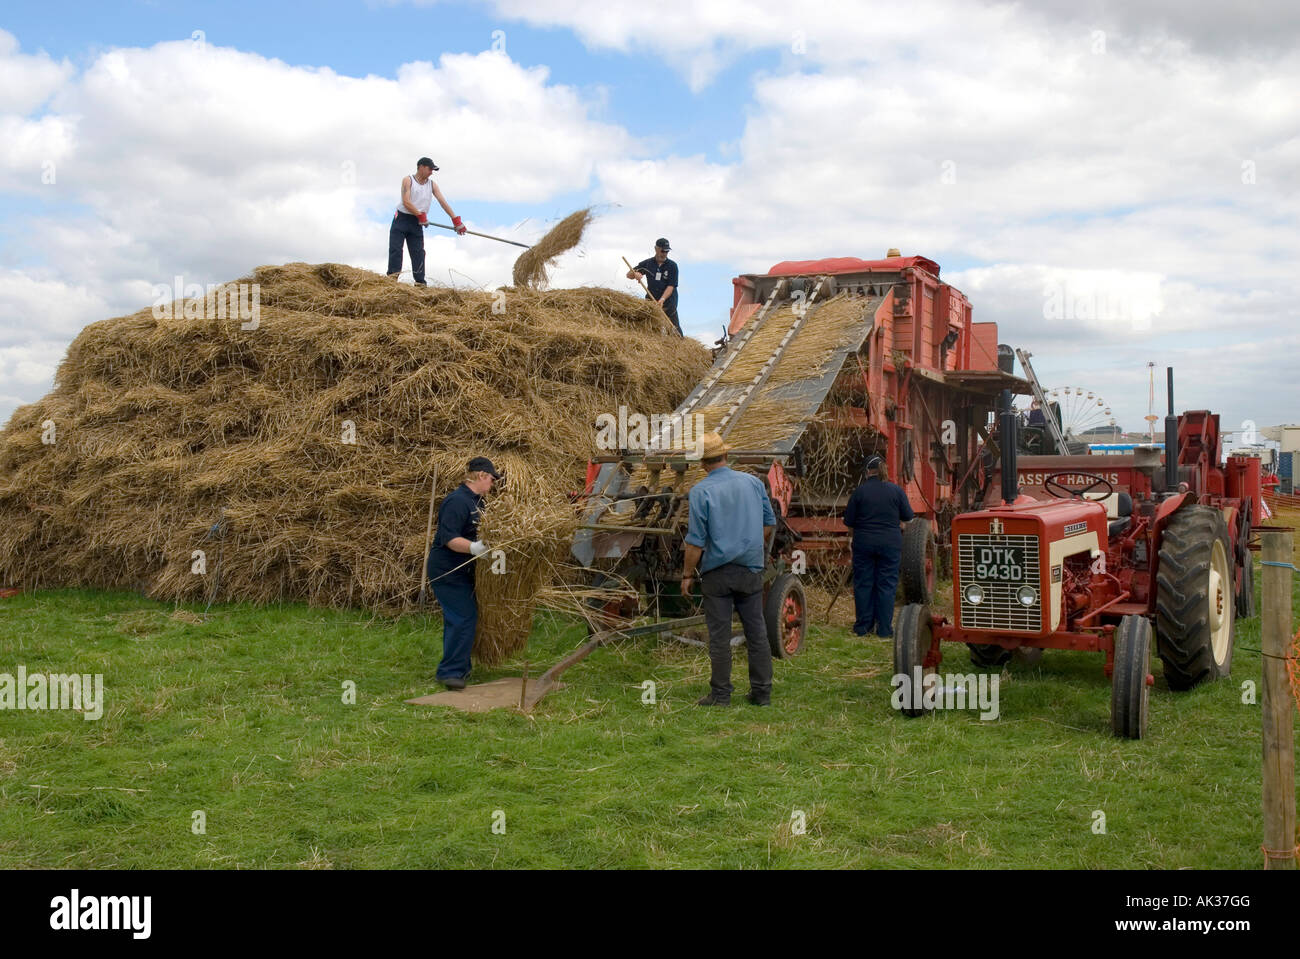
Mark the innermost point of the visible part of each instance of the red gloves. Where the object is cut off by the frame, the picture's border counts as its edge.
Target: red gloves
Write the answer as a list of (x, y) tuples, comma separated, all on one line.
[(460, 227), (423, 218)]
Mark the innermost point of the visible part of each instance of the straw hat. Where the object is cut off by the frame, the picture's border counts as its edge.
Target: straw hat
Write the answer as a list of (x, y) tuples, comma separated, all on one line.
[(711, 446)]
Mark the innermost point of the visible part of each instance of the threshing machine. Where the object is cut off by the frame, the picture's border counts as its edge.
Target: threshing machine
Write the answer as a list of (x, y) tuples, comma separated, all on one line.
[(826, 363)]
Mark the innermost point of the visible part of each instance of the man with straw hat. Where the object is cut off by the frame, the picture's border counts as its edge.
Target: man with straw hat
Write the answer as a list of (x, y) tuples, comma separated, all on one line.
[(450, 568), (661, 280), (418, 193), (875, 512), (726, 538)]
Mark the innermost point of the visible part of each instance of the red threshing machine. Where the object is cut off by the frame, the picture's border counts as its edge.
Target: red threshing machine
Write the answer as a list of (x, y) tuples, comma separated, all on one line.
[(1101, 554), (852, 356)]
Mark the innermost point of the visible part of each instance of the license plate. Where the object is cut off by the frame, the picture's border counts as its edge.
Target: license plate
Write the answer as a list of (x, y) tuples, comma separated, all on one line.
[(1003, 564)]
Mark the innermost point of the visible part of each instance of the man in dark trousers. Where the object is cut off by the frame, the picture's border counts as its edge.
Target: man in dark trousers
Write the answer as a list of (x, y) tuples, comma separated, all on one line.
[(450, 568), (661, 278), (418, 194), (726, 538), (875, 513)]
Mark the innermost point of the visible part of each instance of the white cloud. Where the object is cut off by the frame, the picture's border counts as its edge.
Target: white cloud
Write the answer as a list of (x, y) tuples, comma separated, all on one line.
[(26, 80), (1159, 173)]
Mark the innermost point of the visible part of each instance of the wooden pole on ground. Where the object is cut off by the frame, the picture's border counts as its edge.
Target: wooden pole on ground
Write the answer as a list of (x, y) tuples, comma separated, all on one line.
[(428, 541), (1275, 700)]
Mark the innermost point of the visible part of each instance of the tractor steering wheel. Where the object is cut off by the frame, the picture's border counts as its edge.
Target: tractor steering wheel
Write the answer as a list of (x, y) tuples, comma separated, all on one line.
[(1050, 485)]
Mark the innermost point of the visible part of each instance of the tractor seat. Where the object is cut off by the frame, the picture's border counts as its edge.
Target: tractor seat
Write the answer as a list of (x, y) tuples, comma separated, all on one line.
[(1123, 506)]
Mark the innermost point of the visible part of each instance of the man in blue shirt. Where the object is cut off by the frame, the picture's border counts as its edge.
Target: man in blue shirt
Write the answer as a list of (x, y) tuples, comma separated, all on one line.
[(726, 538), (450, 568), (875, 513), (661, 278)]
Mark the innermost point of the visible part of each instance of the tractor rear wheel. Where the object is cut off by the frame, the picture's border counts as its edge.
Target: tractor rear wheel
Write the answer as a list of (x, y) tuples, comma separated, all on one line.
[(1195, 601), (786, 613), (917, 567), (1129, 693), (988, 655), (912, 638)]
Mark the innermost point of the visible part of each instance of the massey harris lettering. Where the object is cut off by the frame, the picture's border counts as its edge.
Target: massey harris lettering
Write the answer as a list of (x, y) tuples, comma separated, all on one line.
[(1068, 479)]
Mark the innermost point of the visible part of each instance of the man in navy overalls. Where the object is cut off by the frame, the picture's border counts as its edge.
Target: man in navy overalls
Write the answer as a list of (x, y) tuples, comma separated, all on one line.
[(450, 568), (661, 280), (875, 511)]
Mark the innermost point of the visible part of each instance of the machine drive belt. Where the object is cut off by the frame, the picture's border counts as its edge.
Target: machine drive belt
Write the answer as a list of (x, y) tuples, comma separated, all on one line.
[(761, 377)]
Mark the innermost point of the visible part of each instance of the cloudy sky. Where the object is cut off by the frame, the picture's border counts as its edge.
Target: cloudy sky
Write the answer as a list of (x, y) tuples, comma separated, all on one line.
[(1113, 183)]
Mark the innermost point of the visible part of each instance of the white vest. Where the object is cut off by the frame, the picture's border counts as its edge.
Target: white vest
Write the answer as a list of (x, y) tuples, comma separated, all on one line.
[(421, 196)]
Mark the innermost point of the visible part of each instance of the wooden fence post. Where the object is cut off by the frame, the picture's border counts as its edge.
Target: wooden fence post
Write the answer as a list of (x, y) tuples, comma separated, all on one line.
[(1277, 705)]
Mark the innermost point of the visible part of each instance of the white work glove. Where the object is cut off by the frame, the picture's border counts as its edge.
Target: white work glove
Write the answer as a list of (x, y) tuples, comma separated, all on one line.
[(478, 547)]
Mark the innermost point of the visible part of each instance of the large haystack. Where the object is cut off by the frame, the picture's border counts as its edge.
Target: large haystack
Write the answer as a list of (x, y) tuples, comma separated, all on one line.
[(175, 435)]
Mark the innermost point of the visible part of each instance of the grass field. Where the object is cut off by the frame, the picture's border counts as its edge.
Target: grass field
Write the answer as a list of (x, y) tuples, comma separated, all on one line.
[(242, 717)]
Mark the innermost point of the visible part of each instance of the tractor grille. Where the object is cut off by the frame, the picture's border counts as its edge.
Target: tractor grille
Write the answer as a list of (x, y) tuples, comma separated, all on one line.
[(1000, 609)]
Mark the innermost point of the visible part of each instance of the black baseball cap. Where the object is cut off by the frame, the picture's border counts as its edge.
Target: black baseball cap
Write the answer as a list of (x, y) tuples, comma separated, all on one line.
[(874, 463), (662, 244), (425, 161), (481, 464)]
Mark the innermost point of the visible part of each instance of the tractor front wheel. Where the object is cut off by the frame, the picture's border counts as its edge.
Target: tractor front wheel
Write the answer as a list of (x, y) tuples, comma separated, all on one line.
[(1195, 599), (786, 613), (912, 638), (1129, 693)]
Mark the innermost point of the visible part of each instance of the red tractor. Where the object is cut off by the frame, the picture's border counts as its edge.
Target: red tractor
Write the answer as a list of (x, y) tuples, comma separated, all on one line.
[(1103, 560)]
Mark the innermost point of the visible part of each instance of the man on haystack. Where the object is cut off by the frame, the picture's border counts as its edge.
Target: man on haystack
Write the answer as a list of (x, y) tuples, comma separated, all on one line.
[(450, 568), (418, 193), (726, 538), (661, 280)]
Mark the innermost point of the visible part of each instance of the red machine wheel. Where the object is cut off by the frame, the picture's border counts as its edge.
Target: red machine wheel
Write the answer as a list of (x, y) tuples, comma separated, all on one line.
[(606, 612), (786, 613), (1129, 693), (1246, 595), (918, 565)]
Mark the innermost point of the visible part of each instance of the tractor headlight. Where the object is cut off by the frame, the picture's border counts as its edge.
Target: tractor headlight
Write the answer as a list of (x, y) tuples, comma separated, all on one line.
[(974, 594), (1027, 595)]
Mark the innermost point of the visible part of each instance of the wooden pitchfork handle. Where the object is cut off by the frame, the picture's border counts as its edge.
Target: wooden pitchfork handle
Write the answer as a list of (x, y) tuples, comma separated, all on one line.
[(428, 541), (640, 279), (486, 236)]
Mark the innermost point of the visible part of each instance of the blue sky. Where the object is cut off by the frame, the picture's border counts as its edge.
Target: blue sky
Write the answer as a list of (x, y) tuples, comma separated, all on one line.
[(1097, 150)]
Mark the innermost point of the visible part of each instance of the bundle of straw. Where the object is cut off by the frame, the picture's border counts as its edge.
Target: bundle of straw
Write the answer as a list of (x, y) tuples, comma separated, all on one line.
[(531, 267)]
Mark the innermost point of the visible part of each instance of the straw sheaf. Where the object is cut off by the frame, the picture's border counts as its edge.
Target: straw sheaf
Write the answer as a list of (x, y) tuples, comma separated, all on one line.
[(164, 423), (531, 267)]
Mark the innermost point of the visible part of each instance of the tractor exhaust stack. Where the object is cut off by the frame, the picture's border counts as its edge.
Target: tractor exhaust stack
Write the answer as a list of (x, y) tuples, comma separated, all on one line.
[(1171, 438), (1008, 423)]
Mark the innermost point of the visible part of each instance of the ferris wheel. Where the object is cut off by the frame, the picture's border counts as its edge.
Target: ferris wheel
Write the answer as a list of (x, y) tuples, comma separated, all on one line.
[(1082, 410)]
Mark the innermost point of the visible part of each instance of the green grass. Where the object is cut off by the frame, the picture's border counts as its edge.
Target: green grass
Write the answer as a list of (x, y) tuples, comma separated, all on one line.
[(242, 717)]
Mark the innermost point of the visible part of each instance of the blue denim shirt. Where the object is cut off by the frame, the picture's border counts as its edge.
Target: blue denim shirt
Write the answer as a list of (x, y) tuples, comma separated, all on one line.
[(728, 511)]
